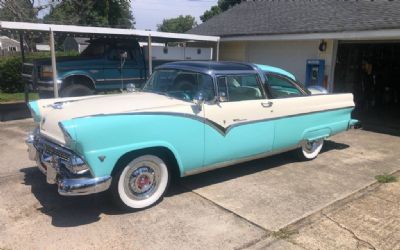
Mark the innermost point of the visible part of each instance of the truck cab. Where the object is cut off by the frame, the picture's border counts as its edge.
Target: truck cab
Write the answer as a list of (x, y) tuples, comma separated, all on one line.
[(106, 64)]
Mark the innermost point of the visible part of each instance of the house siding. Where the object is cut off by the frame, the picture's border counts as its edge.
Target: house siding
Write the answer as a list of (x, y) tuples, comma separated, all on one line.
[(289, 55)]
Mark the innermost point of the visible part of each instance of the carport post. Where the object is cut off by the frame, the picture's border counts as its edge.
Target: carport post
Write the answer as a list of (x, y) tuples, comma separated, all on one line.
[(217, 52), (53, 63), (21, 46), (150, 56)]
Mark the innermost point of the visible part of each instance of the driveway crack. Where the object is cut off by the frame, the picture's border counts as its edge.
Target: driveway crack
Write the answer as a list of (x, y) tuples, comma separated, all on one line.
[(359, 241)]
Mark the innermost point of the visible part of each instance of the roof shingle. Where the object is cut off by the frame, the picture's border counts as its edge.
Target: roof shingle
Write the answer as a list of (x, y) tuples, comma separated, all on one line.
[(272, 17)]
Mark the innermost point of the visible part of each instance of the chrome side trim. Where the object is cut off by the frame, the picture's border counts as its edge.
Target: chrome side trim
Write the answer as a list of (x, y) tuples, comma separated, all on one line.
[(237, 161), (83, 186), (119, 79)]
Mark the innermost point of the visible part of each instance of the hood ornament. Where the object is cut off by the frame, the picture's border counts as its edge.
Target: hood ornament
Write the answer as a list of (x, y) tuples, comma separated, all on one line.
[(57, 105)]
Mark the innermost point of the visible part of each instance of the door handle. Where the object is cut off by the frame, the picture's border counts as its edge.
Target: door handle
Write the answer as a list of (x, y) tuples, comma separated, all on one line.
[(239, 120), (267, 104)]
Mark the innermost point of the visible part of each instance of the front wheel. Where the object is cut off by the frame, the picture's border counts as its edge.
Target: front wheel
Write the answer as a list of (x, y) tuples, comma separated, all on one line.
[(141, 183), (309, 150)]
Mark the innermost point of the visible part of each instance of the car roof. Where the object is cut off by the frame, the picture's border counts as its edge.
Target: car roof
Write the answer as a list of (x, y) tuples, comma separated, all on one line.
[(271, 69), (209, 67), (215, 67)]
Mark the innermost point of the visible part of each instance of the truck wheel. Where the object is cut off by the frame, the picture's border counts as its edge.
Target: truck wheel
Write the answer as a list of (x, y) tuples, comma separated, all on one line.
[(310, 150), (141, 183), (76, 90)]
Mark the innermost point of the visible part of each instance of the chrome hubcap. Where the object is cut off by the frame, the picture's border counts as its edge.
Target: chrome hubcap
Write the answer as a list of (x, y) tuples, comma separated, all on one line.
[(310, 147), (141, 182)]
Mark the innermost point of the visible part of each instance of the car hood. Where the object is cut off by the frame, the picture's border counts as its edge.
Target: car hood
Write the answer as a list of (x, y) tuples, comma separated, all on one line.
[(53, 111)]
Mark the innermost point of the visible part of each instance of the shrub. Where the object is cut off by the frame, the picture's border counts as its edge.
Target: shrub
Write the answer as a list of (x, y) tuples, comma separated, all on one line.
[(385, 178), (11, 66), (10, 75)]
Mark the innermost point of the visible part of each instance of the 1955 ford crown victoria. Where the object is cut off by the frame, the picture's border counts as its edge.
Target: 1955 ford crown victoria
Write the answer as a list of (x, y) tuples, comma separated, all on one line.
[(190, 117)]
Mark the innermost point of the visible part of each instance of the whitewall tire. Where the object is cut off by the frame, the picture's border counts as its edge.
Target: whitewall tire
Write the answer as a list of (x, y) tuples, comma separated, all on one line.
[(141, 183), (309, 150)]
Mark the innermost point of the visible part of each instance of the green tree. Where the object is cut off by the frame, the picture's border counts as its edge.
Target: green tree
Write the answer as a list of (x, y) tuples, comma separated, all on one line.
[(222, 6), (113, 13), (20, 10), (215, 10), (180, 24)]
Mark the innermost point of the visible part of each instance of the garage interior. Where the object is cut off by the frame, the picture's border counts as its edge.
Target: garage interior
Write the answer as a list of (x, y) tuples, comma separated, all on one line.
[(371, 71)]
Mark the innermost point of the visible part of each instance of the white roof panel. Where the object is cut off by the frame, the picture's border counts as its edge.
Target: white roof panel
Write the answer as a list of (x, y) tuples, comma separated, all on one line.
[(74, 29)]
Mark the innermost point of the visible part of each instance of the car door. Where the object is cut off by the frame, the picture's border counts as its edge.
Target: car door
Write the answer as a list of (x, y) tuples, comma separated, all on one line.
[(294, 111), (239, 124), (122, 66)]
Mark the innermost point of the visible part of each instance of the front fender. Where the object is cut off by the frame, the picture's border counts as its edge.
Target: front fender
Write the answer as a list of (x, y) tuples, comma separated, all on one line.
[(104, 166), (103, 139)]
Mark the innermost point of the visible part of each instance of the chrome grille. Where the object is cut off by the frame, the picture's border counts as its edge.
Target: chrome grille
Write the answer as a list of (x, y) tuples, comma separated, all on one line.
[(45, 146), (55, 151), (65, 161)]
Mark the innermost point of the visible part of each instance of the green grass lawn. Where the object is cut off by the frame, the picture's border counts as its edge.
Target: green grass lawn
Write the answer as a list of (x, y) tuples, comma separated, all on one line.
[(16, 97)]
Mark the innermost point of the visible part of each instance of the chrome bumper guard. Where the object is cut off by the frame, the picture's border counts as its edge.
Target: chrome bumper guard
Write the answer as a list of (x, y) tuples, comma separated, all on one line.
[(69, 184)]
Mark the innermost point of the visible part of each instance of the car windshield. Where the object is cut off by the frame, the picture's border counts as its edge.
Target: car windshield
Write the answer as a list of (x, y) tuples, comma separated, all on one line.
[(180, 84), (94, 49)]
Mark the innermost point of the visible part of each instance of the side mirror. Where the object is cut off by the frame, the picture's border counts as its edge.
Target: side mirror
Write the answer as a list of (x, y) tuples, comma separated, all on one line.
[(130, 87), (222, 97), (123, 55), (198, 99)]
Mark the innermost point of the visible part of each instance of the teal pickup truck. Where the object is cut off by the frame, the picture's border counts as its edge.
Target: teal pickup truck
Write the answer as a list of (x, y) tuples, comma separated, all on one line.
[(106, 64)]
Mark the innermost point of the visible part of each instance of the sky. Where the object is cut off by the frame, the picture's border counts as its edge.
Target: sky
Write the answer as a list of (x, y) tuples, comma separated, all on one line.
[(149, 13)]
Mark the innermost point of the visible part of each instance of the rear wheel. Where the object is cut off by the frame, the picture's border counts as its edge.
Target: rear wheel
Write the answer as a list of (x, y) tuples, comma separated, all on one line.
[(141, 183), (76, 90), (310, 149)]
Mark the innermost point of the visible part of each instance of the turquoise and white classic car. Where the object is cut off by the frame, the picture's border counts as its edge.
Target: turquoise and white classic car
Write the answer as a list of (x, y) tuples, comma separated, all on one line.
[(189, 118)]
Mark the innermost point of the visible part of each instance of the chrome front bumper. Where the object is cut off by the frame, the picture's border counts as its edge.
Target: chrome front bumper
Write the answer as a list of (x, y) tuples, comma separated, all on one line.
[(48, 164)]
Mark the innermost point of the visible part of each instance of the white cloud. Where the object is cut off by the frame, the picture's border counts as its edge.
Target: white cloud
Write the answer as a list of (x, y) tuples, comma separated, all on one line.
[(149, 13)]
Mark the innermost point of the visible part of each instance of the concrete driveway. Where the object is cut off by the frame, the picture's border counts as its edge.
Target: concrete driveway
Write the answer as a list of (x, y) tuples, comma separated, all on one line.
[(274, 203)]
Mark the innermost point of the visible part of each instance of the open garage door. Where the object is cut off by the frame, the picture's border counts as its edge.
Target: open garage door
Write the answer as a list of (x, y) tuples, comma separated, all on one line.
[(371, 71)]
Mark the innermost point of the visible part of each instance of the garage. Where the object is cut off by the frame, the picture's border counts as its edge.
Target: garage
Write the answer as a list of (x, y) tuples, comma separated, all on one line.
[(344, 46), (371, 71)]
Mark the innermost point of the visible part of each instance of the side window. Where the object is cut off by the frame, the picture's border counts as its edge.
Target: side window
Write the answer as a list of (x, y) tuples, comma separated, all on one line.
[(240, 87), (206, 86), (181, 84), (222, 88), (115, 53), (282, 88)]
